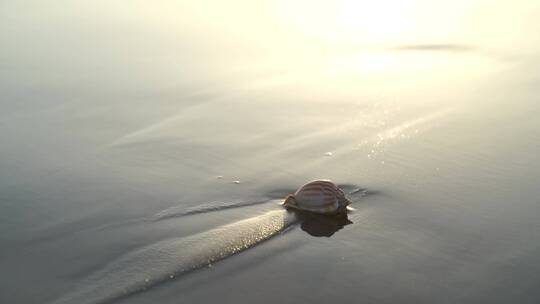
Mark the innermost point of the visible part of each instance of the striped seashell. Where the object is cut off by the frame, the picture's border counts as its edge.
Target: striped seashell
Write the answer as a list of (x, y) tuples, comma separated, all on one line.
[(319, 196)]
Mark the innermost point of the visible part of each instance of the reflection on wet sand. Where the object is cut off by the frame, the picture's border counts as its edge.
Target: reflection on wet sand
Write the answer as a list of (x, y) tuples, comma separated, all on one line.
[(146, 267), (322, 225)]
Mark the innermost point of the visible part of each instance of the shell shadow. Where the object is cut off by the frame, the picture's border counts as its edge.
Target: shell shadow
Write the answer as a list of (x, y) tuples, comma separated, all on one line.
[(321, 225)]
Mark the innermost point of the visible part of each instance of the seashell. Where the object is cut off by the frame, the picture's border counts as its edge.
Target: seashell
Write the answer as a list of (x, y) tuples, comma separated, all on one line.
[(319, 196)]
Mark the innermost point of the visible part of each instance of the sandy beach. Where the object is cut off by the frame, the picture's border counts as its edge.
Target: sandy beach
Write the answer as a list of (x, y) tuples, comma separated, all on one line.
[(145, 150)]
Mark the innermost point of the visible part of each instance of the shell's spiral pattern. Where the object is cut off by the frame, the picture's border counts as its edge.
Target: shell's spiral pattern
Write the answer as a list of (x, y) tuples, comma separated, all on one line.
[(320, 196)]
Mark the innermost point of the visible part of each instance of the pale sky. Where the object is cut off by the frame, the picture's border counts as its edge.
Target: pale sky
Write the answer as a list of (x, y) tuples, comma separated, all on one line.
[(168, 41)]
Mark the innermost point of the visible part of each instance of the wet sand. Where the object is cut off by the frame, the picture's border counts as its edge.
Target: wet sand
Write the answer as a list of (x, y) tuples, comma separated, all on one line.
[(104, 161)]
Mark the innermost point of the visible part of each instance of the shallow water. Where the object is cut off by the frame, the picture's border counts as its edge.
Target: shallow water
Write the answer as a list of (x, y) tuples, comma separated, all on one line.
[(127, 130)]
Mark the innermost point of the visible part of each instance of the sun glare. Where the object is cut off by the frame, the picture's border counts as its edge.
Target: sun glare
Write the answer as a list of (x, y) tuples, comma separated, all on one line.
[(351, 20), (374, 20)]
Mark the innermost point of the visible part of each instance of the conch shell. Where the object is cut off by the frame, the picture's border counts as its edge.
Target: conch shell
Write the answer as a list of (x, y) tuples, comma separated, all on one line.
[(319, 196)]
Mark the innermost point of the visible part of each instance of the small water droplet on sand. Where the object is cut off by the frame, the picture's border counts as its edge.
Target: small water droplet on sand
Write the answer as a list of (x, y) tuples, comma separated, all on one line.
[(171, 276), (219, 176), (236, 182), (328, 153)]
